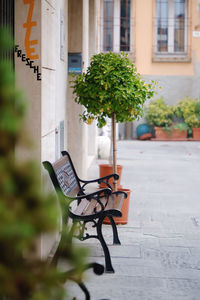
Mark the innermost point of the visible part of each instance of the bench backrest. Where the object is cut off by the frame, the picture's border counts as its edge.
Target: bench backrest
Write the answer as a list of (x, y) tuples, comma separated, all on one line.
[(63, 175)]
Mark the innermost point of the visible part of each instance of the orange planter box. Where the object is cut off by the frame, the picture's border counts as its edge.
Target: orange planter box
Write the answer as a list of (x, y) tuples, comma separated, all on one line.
[(196, 133), (174, 135)]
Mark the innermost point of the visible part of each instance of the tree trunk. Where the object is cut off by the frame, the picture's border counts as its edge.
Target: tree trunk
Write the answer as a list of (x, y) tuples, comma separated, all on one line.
[(114, 147)]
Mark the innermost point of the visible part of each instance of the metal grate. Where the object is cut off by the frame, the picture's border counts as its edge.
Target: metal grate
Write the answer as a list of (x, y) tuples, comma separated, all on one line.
[(7, 21)]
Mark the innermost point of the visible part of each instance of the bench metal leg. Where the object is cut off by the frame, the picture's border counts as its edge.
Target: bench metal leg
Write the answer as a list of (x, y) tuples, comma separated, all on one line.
[(108, 264), (85, 290), (116, 240)]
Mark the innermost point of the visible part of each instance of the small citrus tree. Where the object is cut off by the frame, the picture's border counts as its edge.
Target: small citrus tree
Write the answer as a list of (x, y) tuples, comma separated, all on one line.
[(111, 88)]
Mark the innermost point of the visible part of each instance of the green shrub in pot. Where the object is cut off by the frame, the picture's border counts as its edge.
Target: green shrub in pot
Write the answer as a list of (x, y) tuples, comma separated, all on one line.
[(189, 109), (159, 114)]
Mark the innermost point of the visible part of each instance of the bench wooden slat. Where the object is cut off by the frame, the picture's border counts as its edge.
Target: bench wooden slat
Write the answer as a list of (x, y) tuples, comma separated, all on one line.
[(66, 177), (91, 207), (115, 201), (81, 207), (104, 200), (86, 207)]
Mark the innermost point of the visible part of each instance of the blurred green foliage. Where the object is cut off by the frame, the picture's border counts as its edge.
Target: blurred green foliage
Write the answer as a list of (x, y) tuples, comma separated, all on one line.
[(186, 112), (189, 110), (25, 211), (158, 113)]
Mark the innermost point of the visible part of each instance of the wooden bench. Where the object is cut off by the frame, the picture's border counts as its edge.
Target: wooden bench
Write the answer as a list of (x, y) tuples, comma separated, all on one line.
[(90, 207)]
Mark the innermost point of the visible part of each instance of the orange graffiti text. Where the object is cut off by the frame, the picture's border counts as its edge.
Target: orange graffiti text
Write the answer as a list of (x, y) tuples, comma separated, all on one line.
[(30, 51)]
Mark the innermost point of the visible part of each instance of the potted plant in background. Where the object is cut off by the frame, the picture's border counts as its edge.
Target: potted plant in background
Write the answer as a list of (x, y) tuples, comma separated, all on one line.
[(195, 124), (111, 88), (179, 128), (168, 121), (159, 114), (189, 110), (179, 131)]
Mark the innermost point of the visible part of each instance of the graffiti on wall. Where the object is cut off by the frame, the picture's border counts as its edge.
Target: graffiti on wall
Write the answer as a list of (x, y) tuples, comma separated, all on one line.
[(28, 62), (30, 51), (30, 56)]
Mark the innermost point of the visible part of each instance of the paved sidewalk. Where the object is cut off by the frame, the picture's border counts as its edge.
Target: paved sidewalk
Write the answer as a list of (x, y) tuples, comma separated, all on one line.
[(160, 253)]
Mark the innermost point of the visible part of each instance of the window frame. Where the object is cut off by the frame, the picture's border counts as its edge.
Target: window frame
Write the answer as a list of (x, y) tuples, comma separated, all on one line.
[(116, 28), (171, 54)]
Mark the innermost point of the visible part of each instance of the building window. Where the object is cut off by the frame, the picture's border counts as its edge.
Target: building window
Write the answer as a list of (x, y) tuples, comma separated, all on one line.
[(125, 25), (199, 8), (171, 25), (116, 25), (108, 25)]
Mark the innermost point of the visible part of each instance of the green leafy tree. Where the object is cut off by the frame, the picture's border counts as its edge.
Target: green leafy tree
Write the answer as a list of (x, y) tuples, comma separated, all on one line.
[(25, 212), (111, 88)]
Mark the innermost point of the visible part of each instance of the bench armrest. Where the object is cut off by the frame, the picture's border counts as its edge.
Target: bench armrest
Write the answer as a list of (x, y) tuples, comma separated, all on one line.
[(100, 180), (120, 192), (95, 195), (105, 191)]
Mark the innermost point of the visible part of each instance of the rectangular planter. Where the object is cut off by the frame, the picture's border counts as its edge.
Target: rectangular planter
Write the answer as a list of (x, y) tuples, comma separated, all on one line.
[(178, 134), (161, 134), (196, 134), (173, 135)]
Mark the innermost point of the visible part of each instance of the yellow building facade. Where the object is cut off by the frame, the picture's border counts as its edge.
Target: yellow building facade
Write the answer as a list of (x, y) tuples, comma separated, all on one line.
[(162, 38)]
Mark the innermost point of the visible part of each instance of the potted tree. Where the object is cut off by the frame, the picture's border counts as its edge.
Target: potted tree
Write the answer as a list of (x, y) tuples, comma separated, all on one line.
[(111, 88)]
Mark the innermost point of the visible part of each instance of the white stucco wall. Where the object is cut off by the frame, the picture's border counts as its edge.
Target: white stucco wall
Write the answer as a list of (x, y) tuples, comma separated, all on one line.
[(54, 73), (53, 91), (60, 26), (46, 93), (81, 39), (28, 69)]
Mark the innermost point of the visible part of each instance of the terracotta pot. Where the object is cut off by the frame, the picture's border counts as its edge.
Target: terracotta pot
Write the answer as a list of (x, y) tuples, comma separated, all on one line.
[(124, 210), (175, 134), (106, 169), (161, 134), (196, 133), (146, 136), (178, 134)]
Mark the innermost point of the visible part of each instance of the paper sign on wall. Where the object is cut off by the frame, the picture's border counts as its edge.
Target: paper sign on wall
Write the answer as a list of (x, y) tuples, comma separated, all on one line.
[(196, 33)]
